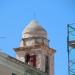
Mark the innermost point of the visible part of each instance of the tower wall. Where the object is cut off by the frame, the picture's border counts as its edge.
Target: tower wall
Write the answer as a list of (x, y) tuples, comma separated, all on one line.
[(51, 65), (34, 49)]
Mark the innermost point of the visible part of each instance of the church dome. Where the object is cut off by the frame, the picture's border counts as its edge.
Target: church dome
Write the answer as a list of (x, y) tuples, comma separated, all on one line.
[(33, 29)]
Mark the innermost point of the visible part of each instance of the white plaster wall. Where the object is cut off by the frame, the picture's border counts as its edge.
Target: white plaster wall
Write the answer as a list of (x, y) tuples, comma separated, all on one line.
[(7, 67), (20, 56)]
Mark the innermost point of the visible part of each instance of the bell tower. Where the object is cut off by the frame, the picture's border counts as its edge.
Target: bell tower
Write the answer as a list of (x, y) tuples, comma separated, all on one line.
[(34, 48)]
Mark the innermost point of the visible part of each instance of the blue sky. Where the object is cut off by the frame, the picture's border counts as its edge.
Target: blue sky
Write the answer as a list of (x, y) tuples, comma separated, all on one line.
[(53, 15)]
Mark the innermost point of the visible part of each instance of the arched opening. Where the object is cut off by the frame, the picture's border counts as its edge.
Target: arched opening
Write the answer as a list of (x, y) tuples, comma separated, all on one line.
[(30, 59)]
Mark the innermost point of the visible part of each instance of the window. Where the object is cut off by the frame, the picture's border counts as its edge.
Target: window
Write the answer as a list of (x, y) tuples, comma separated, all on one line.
[(31, 59), (27, 58), (38, 41), (30, 42), (13, 74), (46, 42), (47, 64)]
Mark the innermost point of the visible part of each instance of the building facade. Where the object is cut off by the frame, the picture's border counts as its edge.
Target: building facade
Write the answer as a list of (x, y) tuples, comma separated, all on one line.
[(12, 66), (34, 56)]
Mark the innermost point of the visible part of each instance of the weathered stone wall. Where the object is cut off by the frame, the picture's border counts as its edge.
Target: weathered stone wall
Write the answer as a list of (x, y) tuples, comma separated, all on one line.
[(9, 65)]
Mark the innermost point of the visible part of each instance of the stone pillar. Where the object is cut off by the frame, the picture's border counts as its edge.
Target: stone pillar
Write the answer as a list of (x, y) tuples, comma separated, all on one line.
[(40, 64), (51, 65)]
